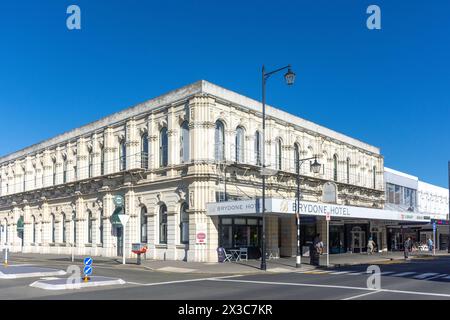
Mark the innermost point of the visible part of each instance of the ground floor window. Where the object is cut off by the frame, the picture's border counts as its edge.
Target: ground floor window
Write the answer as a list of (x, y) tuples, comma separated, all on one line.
[(240, 232), (337, 239)]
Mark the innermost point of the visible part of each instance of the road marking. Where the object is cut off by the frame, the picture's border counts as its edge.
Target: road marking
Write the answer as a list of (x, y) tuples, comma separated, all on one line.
[(438, 276), (448, 277), (387, 272), (403, 274), (355, 273), (362, 295), (334, 286), (425, 275), (181, 281), (341, 272)]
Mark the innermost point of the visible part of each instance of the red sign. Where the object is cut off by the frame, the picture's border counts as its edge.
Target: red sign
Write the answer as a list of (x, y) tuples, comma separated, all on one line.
[(201, 236)]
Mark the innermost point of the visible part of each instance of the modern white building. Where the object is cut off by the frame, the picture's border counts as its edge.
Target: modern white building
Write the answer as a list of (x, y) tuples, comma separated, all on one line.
[(433, 200), (168, 158), (406, 193)]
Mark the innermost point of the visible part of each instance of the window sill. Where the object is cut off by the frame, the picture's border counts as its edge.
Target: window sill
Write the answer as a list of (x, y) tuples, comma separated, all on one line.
[(161, 246)]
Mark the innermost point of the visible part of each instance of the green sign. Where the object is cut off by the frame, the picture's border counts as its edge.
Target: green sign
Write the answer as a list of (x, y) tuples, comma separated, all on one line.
[(20, 224), (119, 201), (115, 216)]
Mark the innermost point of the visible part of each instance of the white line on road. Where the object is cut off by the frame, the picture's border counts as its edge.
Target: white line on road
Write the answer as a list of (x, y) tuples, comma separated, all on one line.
[(362, 295), (425, 275), (438, 276), (387, 272), (181, 281), (340, 272), (334, 286), (404, 274)]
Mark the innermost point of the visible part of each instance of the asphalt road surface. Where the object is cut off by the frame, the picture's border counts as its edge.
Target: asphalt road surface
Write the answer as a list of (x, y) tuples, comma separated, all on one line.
[(417, 279)]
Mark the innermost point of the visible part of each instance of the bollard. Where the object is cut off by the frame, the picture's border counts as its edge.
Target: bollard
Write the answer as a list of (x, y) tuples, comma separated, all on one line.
[(138, 259)]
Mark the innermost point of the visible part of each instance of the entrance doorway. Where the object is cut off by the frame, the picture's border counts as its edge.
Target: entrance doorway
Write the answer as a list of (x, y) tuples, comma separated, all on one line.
[(377, 237), (358, 239), (119, 235)]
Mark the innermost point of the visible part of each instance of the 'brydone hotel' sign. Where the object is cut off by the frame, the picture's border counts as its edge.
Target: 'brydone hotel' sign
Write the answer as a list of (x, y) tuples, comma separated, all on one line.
[(284, 206)]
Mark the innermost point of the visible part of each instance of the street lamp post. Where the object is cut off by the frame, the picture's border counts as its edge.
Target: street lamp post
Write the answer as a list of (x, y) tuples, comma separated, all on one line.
[(290, 78), (314, 167)]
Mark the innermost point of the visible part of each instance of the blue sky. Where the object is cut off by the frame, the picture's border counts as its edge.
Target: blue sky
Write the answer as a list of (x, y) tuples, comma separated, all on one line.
[(389, 87)]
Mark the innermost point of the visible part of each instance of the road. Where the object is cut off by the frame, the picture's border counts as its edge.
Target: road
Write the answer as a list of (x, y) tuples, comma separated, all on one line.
[(417, 279)]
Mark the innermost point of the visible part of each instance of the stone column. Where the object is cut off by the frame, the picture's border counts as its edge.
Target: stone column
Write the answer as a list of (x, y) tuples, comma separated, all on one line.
[(80, 219), (47, 169), (27, 228), (29, 174), (109, 151), (108, 240), (82, 159), (132, 145)]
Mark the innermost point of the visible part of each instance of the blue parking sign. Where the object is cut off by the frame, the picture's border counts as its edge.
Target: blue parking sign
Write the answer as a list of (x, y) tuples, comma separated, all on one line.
[(87, 261), (434, 226), (87, 270)]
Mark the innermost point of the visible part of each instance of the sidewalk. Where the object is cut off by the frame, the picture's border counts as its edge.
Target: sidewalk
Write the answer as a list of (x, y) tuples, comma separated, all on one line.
[(281, 265)]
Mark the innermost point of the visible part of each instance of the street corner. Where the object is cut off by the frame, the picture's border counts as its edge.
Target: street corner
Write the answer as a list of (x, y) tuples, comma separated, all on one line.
[(78, 283)]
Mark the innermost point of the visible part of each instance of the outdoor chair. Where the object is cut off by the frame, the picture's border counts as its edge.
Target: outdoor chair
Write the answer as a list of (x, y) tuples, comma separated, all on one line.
[(228, 256), (243, 253)]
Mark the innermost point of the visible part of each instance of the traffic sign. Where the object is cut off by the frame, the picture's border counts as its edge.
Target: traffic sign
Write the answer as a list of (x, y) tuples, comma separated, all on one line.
[(118, 201), (328, 217), (434, 226), (87, 261), (124, 218), (87, 270)]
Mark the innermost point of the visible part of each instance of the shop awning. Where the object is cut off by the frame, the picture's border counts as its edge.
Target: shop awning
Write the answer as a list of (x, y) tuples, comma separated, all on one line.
[(288, 206)]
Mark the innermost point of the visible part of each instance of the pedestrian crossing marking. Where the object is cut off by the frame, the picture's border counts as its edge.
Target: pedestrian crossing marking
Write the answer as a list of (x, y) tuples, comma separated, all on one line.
[(425, 275), (387, 272), (403, 274), (447, 277), (341, 272)]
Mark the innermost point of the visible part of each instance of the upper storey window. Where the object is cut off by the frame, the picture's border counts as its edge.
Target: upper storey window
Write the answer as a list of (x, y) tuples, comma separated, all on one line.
[(258, 147), (184, 142), (163, 148), (240, 138), (144, 151), (122, 155), (219, 141)]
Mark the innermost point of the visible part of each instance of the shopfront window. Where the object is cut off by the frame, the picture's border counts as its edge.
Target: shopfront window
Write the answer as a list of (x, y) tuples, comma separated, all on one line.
[(240, 232)]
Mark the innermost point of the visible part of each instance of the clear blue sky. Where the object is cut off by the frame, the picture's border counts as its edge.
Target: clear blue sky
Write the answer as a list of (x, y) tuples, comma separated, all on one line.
[(389, 88)]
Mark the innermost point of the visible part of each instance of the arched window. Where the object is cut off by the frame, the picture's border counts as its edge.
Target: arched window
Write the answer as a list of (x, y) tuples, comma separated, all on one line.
[(240, 138), (74, 222), (297, 158), (63, 225), (102, 160), (33, 222), (335, 168), (122, 156), (219, 141), (258, 139), (144, 224), (348, 170), (89, 226), (184, 142), (163, 224), (6, 230), (374, 169), (54, 171), (64, 169), (144, 151), (52, 221), (184, 224), (90, 164), (163, 148), (100, 227), (278, 154)]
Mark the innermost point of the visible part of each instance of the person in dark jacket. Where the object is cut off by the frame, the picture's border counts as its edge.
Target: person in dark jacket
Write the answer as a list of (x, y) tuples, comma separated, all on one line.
[(407, 247)]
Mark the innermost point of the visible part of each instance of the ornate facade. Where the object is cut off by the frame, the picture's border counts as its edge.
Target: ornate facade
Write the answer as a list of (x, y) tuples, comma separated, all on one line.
[(168, 158)]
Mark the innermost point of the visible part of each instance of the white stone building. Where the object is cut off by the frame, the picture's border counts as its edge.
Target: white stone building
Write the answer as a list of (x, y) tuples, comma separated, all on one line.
[(168, 157), (433, 200)]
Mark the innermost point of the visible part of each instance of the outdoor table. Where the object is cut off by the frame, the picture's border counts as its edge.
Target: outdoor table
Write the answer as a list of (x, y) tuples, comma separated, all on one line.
[(236, 254)]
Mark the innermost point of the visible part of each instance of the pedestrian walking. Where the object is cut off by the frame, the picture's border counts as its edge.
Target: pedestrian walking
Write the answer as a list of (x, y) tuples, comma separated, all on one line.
[(430, 244), (371, 246), (407, 247)]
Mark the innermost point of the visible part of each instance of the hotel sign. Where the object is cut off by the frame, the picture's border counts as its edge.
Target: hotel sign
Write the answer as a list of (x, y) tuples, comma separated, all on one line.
[(287, 206)]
